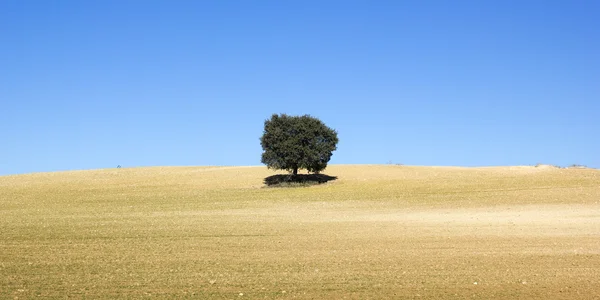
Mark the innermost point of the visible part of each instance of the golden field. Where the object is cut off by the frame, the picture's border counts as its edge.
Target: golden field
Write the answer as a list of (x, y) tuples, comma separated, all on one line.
[(379, 231)]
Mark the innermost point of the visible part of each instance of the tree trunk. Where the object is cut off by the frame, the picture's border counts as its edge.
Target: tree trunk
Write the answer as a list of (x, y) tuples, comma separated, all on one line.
[(295, 171)]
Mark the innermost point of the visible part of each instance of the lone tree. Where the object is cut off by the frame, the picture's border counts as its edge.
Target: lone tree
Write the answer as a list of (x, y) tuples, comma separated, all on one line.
[(297, 142)]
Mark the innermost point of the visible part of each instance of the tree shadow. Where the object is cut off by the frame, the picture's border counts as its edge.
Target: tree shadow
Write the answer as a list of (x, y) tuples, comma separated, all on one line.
[(289, 180)]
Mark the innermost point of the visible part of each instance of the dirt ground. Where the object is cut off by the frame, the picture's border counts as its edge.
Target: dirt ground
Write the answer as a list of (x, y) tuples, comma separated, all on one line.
[(378, 232)]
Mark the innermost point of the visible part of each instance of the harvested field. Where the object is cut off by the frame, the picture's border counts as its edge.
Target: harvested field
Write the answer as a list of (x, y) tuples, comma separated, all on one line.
[(375, 232)]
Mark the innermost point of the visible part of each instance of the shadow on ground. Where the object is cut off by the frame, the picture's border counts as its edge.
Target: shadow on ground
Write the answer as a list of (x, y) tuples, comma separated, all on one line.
[(285, 180)]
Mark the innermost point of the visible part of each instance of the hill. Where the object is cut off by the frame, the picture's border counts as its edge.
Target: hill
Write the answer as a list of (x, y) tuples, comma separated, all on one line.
[(375, 232)]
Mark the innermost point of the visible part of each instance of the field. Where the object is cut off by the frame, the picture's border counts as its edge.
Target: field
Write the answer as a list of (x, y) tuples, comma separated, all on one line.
[(376, 232)]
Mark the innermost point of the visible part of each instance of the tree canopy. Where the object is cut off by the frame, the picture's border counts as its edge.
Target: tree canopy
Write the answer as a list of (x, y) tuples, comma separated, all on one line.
[(297, 142)]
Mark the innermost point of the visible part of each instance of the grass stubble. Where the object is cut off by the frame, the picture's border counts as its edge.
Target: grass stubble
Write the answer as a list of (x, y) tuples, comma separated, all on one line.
[(375, 232)]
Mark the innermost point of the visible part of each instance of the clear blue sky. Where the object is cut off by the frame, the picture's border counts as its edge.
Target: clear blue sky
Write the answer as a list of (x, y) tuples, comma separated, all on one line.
[(96, 84)]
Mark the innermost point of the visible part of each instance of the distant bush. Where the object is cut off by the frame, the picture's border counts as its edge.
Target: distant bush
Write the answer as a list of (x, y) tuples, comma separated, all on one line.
[(550, 165), (559, 167)]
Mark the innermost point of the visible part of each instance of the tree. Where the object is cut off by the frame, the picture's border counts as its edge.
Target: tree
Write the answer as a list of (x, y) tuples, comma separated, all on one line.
[(297, 142)]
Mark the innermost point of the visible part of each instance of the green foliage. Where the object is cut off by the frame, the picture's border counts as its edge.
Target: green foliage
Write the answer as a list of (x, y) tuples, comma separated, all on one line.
[(297, 142)]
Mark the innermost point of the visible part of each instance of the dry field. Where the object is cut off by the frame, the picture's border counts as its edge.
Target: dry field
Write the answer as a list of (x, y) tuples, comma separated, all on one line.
[(376, 232)]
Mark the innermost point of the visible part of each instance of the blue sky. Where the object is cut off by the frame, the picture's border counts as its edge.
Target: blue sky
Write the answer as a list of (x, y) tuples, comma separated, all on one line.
[(96, 84)]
